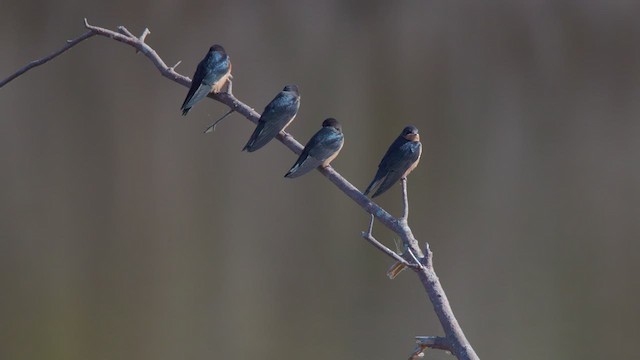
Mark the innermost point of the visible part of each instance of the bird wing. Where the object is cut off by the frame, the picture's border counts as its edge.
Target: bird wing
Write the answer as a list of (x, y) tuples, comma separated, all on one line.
[(216, 68), (209, 71), (394, 165), (322, 145), (198, 89), (275, 117), (325, 143), (198, 94), (383, 167), (374, 183), (303, 165)]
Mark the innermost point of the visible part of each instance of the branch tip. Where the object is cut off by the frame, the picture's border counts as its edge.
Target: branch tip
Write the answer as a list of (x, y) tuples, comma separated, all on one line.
[(124, 31), (173, 68), (144, 34)]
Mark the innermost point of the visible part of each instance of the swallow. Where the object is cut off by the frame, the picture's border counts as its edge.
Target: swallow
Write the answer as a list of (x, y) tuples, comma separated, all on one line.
[(211, 74), (400, 159), (321, 149), (277, 115)]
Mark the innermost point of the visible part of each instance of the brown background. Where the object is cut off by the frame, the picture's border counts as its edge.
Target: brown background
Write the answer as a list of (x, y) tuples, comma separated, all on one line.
[(125, 233)]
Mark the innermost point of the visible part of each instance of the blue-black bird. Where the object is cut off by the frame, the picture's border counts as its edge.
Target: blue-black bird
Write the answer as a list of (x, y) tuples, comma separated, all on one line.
[(321, 149), (277, 115), (400, 159), (210, 76)]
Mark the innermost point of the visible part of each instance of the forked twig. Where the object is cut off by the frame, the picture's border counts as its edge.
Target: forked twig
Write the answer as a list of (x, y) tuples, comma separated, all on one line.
[(367, 235)]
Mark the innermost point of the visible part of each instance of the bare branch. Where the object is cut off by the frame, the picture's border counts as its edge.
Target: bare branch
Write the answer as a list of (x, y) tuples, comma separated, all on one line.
[(454, 339), (31, 65)]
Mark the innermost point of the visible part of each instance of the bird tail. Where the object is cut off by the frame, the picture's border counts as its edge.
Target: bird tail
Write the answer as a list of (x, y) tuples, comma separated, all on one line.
[(249, 147), (185, 111), (304, 165), (373, 184), (292, 171), (255, 142)]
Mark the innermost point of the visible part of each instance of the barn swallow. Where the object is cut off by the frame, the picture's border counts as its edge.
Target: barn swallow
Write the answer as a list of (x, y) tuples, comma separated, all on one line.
[(321, 149), (400, 159), (277, 115), (211, 74)]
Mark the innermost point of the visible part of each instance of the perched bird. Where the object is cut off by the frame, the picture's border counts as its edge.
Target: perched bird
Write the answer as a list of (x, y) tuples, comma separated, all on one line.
[(277, 115), (401, 158), (321, 149), (211, 74)]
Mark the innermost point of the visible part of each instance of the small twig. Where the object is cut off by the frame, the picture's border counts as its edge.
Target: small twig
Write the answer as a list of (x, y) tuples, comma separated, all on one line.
[(173, 68), (144, 34), (432, 342), (405, 201), (428, 256), (370, 231), (418, 263), (69, 45), (212, 127), (367, 235), (123, 30)]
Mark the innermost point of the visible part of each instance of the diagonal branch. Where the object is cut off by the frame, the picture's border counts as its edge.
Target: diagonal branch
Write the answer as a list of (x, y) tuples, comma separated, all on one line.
[(454, 340), (31, 65)]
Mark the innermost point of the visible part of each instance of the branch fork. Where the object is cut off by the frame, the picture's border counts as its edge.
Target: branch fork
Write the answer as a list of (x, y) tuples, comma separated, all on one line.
[(429, 342)]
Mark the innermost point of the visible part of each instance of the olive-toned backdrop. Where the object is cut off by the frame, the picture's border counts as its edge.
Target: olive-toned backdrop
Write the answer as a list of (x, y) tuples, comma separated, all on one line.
[(126, 233)]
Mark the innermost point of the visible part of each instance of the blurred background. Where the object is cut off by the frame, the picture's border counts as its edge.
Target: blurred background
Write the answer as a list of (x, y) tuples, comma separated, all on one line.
[(126, 233)]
